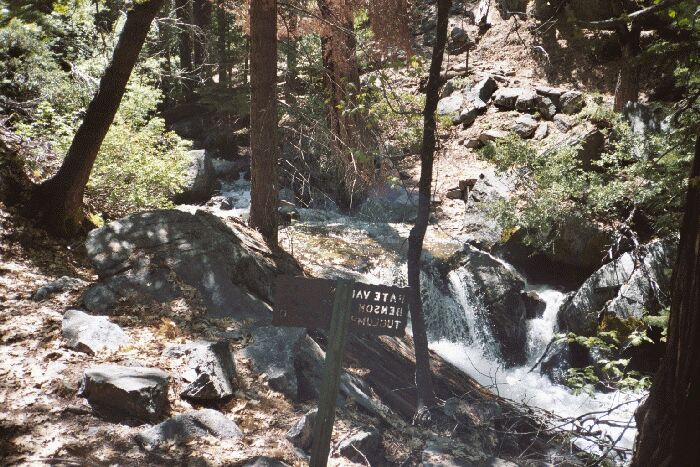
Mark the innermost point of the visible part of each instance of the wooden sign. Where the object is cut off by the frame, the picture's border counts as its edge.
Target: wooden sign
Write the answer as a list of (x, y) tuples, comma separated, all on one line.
[(337, 307), (308, 302)]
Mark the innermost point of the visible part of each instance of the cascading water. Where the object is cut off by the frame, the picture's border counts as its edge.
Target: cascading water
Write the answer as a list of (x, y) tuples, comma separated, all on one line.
[(455, 314)]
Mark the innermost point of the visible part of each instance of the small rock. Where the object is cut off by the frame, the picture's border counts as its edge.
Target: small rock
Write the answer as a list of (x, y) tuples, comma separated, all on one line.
[(534, 305), (541, 131), (60, 285), (190, 425), (525, 126), (361, 446), (491, 135), (226, 204), (300, 435), (211, 371), (123, 391), (552, 93), (506, 98), (571, 102), (546, 107), (91, 334), (485, 88), (527, 101), (459, 41), (287, 212), (451, 106), (563, 122), (475, 107), (472, 143)]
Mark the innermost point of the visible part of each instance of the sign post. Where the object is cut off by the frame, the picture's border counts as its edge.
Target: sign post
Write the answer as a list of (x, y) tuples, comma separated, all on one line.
[(339, 307), (340, 321)]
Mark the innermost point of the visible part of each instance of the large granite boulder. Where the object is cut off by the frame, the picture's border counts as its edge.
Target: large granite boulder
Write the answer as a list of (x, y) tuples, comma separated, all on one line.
[(144, 257), (625, 288), (125, 392), (188, 426), (200, 181), (91, 334), (210, 371)]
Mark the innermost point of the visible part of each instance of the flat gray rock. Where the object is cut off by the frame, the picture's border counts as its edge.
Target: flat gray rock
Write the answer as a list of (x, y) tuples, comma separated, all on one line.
[(91, 334), (190, 425), (210, 369), (272, 351), (571, 102), (125, 392), (525, 126)]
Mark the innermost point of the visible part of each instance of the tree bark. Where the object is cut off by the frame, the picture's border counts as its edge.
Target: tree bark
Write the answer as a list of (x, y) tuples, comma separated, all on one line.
[(341, 81), (424, 384), (222, 28), (201, 15), (58, 201), (182, 13), (669, 420), (627, 89), (263, 118)]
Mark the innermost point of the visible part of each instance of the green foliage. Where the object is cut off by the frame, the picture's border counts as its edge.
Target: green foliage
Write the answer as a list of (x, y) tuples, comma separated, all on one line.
[(643, 172)]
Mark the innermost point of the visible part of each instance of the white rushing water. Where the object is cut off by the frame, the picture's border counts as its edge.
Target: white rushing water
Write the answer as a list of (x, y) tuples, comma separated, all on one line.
[(464, 338)]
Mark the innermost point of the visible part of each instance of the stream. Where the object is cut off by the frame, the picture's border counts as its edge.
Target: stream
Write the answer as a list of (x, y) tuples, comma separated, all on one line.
[(332, 245)]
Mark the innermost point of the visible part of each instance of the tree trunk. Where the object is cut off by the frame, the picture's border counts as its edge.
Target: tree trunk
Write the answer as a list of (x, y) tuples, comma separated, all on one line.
[(58, 201), (182, 13), (222, 27), (201, 14), (627, 89), (424, 384), (341, 80), (669, 420), (263, 118), (292, 78), (165, 34)]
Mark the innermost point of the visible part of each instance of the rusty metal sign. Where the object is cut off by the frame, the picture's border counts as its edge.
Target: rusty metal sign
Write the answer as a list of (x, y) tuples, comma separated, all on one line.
[(308, 302)]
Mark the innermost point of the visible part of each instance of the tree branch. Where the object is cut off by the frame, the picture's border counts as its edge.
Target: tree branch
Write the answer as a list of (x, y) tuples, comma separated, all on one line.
[(614, 23)]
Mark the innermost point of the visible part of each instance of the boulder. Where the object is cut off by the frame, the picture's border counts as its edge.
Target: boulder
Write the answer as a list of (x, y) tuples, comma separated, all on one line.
[(210, 369), (541, 131), (143, 257), (525, 126), (506, 98), (488, 136), (448, 452), (648, 289), (534, 305), (125, 392), (473, 108), (484, 89), (643, 119), (578, 243), (571, 102), (546, 107), (60, 285), (272, 352), (459, 41), (551, 93), (563, 122), (364, 445), (301, 434), (562, 356), (592, 145), (91, 334), (527, 101), (188, 426), (287, 212), (200, 181), (451, 106), (580, 314)]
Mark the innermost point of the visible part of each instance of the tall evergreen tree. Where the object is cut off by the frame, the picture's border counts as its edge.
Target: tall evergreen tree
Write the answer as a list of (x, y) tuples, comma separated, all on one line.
[(263, 118)]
